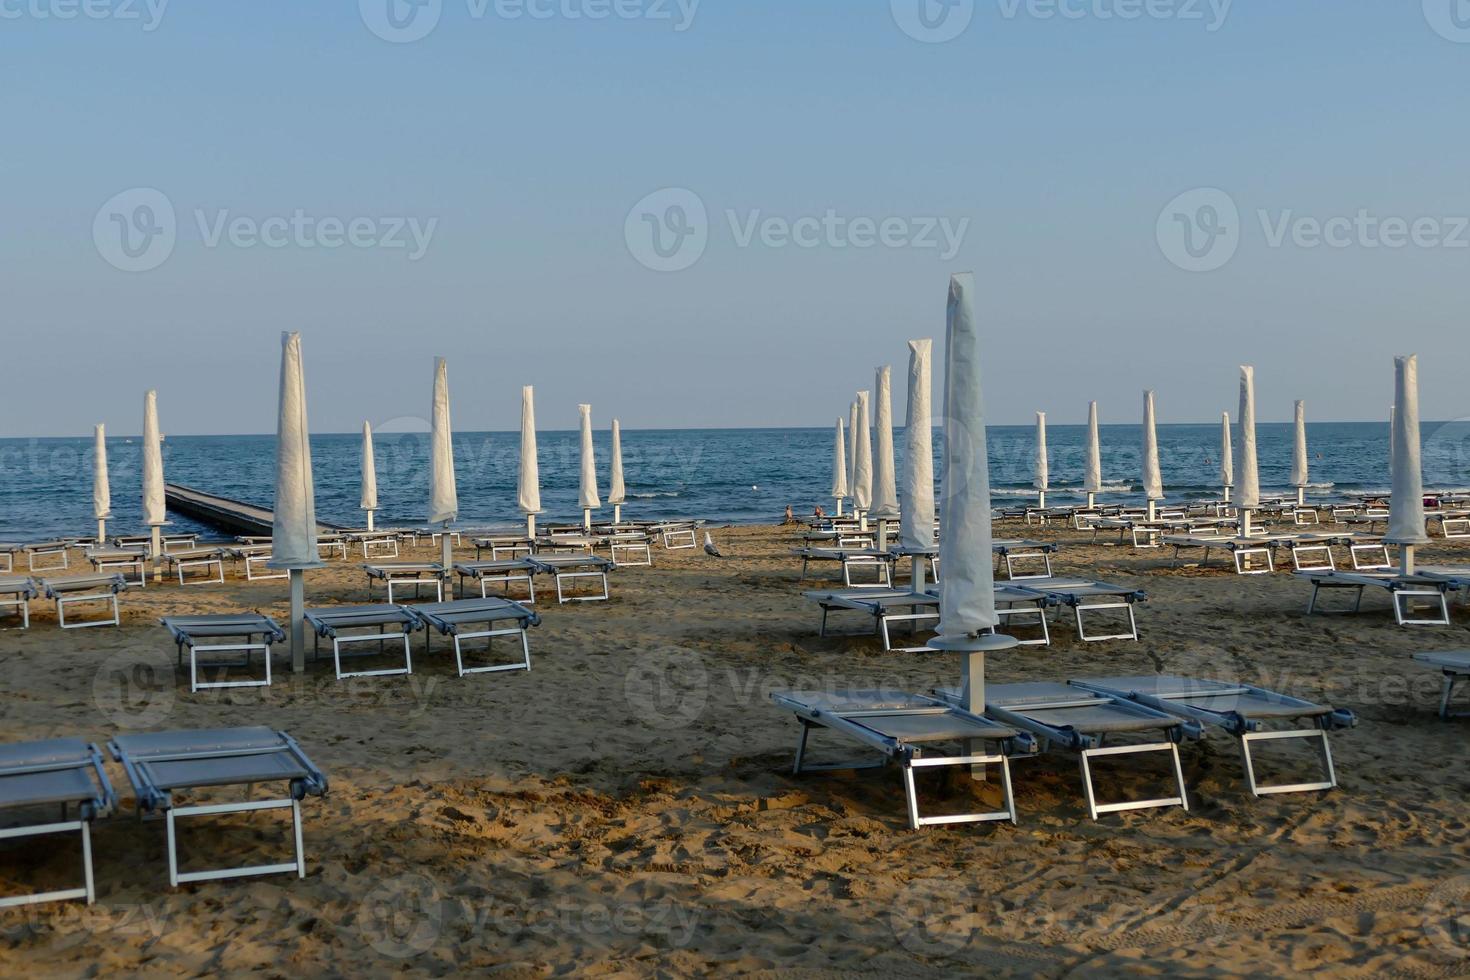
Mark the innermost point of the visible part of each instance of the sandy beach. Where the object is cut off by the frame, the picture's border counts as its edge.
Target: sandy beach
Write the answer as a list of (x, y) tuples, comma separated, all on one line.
[(626, 808)]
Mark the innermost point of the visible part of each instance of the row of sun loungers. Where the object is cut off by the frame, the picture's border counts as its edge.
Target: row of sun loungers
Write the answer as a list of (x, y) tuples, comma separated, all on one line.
[(243, 635), (162, 767), (1088, 717), (1018, 604)]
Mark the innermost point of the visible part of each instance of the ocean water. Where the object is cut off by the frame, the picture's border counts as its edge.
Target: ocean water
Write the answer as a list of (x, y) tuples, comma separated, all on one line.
[(724, 475)]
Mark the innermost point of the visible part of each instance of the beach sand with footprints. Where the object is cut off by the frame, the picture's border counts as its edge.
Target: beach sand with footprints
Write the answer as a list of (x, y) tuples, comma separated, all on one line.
[(627, 808)]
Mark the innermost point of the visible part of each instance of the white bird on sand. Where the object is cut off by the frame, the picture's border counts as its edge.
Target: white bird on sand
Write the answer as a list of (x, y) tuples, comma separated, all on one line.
[(709, 547)]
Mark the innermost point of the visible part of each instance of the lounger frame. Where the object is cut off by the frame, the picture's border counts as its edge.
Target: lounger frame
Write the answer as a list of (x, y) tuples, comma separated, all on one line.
[(86, 813)]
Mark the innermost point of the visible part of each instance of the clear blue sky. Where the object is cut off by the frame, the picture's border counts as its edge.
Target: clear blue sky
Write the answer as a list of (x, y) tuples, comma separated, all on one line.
[(529, 140)]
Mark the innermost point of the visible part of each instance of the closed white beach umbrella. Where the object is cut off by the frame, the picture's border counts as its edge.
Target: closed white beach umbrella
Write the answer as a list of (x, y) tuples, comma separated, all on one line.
[(1093, 483), (885, 479), (1227, 456), (293, 528), (528, 487), (967, 614), (916, 525), (1247, 473), (839, 467), (1153, 479), (616, 492), (852, 441), (369, 501), (1406, 506), (862, 491), (155, 513), (101, 488), (443, 496), (589, 500), (1299, 469), (1042, 478)]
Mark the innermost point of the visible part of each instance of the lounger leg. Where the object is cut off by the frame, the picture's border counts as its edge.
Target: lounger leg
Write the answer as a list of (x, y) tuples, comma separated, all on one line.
[(806, 729), (87, 861), (1324, 757), (911, 797), (300, 848)]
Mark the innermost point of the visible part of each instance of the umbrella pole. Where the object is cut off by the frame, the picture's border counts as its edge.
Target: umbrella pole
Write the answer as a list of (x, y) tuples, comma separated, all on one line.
[(1041, 500), (1152, 509), (156, 552), (972, 693), (1301, 496), (101, 531), (882, 535), (1406, 559), (531, 526), (839, 506), (917, 564), (446, 558), (586, 518), (1091, 499), (617, 513), (298, 626), (1227, 493), (370, 520), (1245, 522)]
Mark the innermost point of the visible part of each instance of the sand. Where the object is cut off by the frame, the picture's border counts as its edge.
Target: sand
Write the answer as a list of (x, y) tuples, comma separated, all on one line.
[(626, 808)]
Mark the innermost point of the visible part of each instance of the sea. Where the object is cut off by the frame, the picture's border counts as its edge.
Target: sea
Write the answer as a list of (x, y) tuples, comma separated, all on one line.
[(736, 476)]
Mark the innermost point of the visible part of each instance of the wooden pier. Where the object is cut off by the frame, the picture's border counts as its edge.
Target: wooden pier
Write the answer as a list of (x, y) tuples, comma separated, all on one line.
[(224, 513)]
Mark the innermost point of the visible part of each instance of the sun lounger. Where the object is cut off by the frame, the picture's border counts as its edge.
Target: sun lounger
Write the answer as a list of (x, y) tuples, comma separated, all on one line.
[(49, 552), (1086, 596), (253, 556), (569, 568), (1083, 721), (1455, 665), (123, 560), (914, 731), (502, 573), (74, 589), (894, 606), (1014, 551), (36, 776), (1260, 547), (635, 548), (16, 592), (169, 542), (333, 623), (376, 544), (677, 535), (1403, 590), (849, 559), (1241, 710), (162, 764), (456, 619), (1313, 552), (205, 558), (404, 573), (504, 548), (189, 631)]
